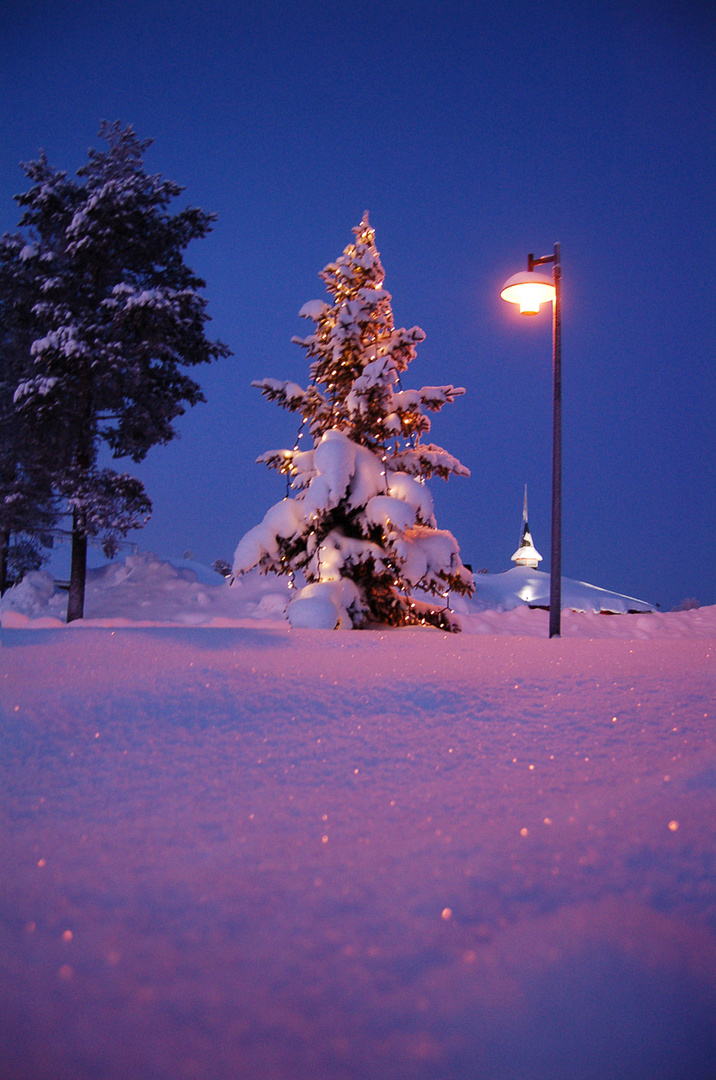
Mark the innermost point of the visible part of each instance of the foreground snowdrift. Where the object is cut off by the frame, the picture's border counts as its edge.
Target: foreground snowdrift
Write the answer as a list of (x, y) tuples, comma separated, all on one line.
[(146, 590), (258, 853)]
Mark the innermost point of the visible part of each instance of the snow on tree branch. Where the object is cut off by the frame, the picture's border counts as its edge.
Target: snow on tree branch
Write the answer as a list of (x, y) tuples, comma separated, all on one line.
[(427, 460)]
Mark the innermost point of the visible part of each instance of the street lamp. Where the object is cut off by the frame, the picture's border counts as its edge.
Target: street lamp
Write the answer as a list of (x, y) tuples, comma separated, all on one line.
[(529, 290)]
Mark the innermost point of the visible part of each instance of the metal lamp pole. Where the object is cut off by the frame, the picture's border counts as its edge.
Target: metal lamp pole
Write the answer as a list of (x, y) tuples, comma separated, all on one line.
[(555, 579)]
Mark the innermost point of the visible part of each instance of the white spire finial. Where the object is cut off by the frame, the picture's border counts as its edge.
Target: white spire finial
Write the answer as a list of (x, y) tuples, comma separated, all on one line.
[(526, 554)]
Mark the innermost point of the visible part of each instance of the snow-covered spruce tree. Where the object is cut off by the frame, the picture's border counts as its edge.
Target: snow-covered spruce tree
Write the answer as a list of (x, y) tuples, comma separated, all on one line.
[(359, 524), (115, 313)]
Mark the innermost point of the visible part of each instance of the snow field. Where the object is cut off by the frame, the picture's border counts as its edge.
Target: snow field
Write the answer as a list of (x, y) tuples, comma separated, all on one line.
[(262, 852)]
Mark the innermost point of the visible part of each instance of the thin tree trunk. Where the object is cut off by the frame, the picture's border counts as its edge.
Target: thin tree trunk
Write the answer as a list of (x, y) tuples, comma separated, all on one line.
[(4, 546), (78, 571)]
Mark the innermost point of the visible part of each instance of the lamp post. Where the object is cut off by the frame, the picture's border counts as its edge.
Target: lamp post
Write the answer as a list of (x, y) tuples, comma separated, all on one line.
[(529, 290)]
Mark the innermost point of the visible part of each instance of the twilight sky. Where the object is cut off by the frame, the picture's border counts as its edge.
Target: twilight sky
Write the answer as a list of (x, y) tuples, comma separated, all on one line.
[(474, 133)]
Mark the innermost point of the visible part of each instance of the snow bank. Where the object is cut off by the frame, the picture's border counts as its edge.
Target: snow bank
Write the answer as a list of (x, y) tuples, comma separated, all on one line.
[(146, 590)]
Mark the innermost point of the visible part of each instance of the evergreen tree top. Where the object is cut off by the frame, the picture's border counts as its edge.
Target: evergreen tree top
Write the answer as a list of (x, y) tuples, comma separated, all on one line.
[(358, 356), (358, 267), (116, 310)]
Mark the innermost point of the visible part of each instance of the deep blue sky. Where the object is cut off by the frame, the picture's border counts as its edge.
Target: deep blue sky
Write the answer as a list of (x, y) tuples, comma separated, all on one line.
[(474, 133)]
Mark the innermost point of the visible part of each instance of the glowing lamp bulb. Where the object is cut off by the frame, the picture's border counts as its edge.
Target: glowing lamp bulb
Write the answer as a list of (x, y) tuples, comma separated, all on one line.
[(529, 290)]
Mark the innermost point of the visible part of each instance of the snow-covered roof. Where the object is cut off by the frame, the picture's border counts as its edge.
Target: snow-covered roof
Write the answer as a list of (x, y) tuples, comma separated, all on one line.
[(525, 585)]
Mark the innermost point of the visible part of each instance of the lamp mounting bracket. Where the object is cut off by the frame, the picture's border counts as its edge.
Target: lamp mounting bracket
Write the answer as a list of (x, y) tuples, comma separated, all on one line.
[(532, 262)]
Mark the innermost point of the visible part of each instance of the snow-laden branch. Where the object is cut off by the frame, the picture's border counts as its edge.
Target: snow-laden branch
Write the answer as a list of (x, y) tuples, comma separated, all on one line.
[(31, 388), (432, 397), (427, 461), (289, 394)]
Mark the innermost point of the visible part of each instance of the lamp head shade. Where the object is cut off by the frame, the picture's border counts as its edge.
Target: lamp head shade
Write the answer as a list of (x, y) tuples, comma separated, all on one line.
[(529, 290)]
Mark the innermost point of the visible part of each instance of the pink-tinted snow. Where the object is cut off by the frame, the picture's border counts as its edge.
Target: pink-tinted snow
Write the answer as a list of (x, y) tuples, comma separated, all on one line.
[(270, 854)]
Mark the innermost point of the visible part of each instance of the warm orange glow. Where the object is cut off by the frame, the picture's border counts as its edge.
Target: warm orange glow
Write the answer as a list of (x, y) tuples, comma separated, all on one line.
[(529, 290)]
